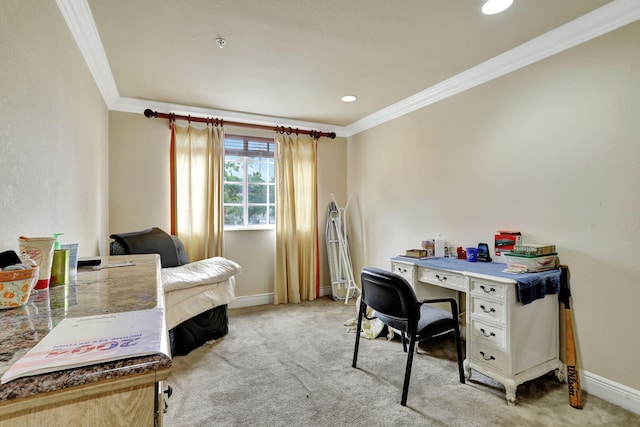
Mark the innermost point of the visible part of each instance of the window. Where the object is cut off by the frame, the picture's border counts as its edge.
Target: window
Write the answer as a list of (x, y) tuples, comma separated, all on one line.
[(249, 181)]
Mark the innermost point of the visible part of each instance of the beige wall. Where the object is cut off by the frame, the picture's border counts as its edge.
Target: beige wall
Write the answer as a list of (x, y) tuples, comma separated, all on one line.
[(551, 150), (53, 132), (139, 194)]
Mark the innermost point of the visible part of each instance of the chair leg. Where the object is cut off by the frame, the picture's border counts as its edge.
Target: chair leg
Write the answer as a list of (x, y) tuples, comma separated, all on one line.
[(363, 308), (456, 336), (407, 372)]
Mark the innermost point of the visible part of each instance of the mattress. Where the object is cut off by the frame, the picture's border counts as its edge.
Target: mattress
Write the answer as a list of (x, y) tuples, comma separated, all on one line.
[(183, 304), (194, 288)]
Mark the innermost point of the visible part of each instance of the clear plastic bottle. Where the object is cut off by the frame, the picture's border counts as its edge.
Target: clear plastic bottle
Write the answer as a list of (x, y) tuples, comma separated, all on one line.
[(439, 246)]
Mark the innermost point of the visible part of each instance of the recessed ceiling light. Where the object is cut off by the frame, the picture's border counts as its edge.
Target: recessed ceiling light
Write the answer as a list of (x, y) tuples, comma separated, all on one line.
[(349, 98), (491, 7)]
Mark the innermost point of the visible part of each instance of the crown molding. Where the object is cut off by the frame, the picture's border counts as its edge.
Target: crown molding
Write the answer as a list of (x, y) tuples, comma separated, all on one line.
[(134, 105), (607, 18), (79, 19)]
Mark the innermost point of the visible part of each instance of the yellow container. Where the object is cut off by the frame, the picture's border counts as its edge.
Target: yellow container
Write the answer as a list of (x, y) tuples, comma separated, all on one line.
[(60, 267)]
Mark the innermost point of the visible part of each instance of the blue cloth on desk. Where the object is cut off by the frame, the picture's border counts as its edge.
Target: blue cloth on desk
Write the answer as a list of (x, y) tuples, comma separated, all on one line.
[(531, 286)]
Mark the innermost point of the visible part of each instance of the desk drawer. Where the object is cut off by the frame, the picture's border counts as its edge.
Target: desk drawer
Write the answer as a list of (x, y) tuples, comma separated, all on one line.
[(408, 271), (485, 332), (488, 355), (443, 278), (490, 289), (483, 308)]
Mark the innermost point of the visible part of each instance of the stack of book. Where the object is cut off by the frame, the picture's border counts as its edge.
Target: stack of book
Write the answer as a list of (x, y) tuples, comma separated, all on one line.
[(531, 249), (417, 254), (531, 258)]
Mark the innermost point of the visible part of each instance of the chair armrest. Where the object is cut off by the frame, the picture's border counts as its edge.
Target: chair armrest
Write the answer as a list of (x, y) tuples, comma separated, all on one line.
[(435, 300)]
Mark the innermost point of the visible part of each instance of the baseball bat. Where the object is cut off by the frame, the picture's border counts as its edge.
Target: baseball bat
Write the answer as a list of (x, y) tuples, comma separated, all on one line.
[(573, 376)]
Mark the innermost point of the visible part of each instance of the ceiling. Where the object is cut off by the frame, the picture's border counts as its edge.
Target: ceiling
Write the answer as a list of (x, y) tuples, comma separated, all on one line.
[(293, 60)]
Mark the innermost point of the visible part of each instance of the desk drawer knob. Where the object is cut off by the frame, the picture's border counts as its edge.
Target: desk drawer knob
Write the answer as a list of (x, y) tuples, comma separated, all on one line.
[(168, 391), (485, 357), (491, 310), (486, 334), (441, 278), (489, 291)]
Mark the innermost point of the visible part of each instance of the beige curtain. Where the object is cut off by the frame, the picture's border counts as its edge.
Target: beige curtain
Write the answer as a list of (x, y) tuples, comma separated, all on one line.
[(296, 270), (198, 184)]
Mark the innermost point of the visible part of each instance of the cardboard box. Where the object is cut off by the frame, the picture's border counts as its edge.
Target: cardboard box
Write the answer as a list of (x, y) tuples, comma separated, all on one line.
[(504, 242), (526, 263)]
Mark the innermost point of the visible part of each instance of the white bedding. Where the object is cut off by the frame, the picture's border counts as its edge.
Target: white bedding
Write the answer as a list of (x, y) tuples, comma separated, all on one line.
[(203, 272), (183, 304), (194, 288)]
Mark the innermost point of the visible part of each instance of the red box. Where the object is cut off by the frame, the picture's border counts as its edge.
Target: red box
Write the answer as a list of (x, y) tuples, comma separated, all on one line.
[(504, 241)]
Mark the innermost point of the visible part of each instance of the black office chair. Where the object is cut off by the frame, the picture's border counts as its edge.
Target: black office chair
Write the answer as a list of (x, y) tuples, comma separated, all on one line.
[(396, 304)]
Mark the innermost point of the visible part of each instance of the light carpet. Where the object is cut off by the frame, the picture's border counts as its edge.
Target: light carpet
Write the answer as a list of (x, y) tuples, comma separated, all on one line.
[(290, 365)]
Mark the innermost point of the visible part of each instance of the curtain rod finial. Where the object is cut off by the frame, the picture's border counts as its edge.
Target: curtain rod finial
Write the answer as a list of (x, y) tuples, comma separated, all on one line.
[(148, 113)]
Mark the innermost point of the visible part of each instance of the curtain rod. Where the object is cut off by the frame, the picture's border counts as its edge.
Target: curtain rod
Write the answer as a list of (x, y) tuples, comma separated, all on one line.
[(220, 122)]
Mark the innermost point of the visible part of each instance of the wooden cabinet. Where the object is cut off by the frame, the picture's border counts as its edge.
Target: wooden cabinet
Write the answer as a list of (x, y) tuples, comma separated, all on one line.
[(119, 402), (121, 393)]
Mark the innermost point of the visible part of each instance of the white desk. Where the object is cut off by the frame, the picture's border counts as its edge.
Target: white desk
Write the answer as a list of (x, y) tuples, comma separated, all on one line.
[(505, 340)]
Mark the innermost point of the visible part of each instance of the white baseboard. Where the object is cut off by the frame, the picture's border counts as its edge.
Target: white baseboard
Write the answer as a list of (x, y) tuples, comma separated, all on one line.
[(618, 394), (251, 300), (325, 291), (262, 299)]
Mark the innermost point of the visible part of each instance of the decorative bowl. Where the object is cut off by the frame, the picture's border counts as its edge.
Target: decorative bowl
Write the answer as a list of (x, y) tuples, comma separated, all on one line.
[(16, 286)]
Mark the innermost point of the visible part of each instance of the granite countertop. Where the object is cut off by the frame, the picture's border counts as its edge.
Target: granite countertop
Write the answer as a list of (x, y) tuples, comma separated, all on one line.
[(91, 292)]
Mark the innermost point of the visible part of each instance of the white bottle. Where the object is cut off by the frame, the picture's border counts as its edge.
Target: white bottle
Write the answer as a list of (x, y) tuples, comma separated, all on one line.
[(439, 246)]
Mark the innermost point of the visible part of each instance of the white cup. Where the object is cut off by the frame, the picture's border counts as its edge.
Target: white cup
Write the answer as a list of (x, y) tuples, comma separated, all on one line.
[(40, 250)]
